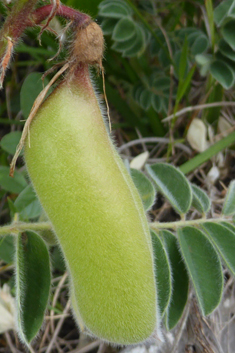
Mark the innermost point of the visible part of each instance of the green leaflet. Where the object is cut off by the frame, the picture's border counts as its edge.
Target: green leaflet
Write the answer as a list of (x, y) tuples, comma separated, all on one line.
[(200, 45), (145, 188), (204, 267), (162, 273), (7, 248), (224, 239), (173, 185), (14, 185), (180, 283), (34, 85), (222, 72), (108, 25), (125, 29), (10, 141), (229, 203), (201, 201), (27, 204), (222, 11), (114, 10), (228, 33), (32, 284), (226, 50), (138, 45)]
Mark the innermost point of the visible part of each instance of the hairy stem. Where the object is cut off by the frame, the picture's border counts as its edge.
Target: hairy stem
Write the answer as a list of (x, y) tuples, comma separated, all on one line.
[(15, 23), (17, 227), (195, 222), (40, 14)]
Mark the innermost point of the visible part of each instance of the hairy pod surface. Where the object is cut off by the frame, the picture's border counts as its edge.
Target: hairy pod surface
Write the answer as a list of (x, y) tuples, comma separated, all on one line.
[(96, 213)]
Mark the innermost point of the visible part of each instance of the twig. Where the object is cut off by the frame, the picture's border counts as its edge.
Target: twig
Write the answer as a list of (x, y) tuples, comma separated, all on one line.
[(87, 348), (154, 140), (181, 327), (102, 347), (57, 292), (58, 327), (9, 341), (199, 107)]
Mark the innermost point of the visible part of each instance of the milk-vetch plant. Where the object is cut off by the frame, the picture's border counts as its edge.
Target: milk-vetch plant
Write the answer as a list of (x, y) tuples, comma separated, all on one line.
[(123, 278)]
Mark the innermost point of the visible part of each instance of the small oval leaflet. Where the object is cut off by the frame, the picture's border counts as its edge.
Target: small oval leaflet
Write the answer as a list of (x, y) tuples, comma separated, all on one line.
[(14, 185), (27, 204), (229, 203), (201, 201), (156, 102), (204, 267), (125, 45), (226, 50), (179, 294), (121, 3), (162, 273), (173, 185), (33, 280), (114, 10), (145, 188), (222, 11), (222, 73), (108, 25), (200, 45), (33, 84), (10, 141), (228, 33), (124, 30), (145, 99), (139, 44), (224, 239)]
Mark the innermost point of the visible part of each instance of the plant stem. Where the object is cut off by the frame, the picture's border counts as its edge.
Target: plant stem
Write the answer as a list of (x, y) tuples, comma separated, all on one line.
[(15, 23), (195, 162), (12, 30), (199, 107), (194, 222), (40, 14), (17, 227)]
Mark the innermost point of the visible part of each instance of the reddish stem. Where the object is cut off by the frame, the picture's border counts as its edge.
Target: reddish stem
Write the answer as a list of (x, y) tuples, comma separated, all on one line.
[(15, 23), (40, 14)]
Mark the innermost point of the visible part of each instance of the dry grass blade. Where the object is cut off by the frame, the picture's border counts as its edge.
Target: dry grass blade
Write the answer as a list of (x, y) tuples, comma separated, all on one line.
[(33, 111)]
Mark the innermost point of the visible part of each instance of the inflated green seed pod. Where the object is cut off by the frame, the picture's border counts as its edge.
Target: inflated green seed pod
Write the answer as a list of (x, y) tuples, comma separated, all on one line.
[(96, 213)]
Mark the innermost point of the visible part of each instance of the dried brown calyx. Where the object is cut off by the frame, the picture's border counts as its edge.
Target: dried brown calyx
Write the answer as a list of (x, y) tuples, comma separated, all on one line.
[(88, 45)]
